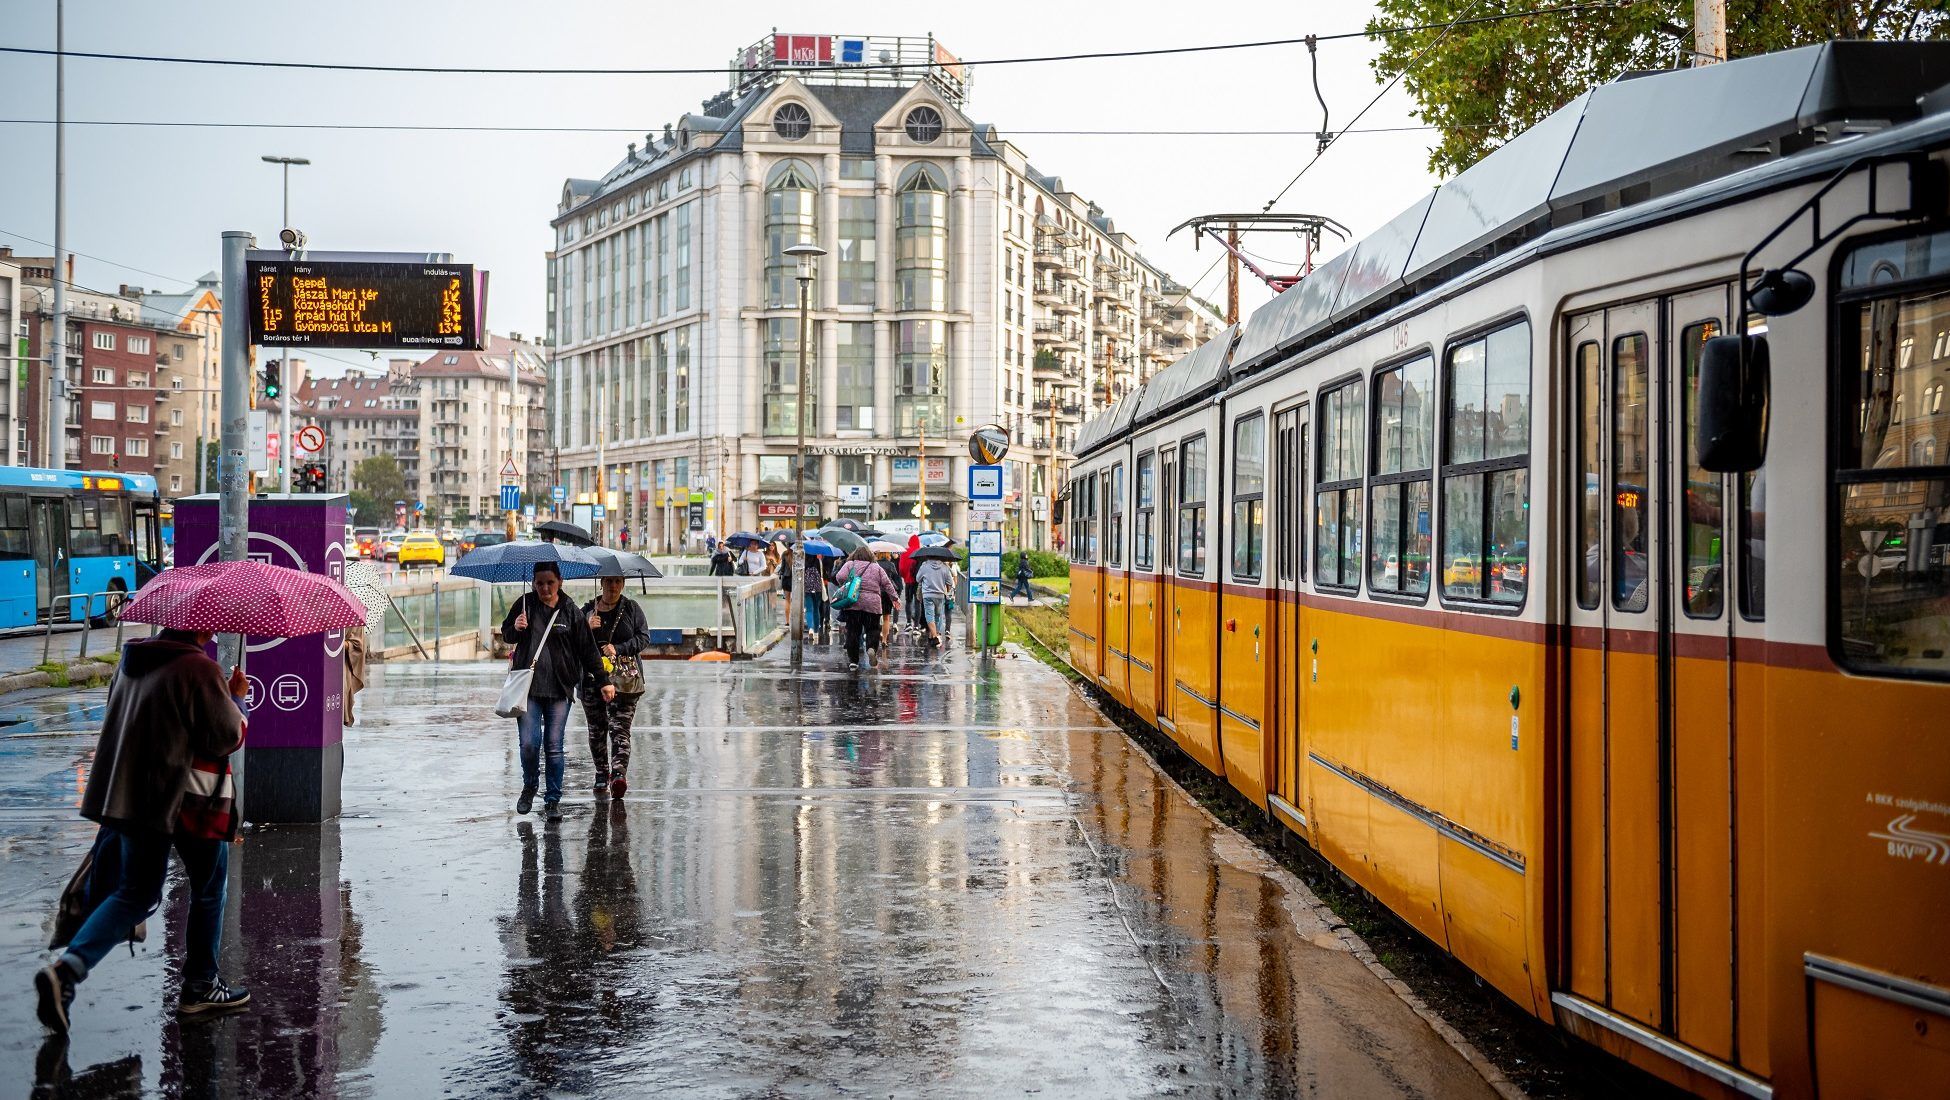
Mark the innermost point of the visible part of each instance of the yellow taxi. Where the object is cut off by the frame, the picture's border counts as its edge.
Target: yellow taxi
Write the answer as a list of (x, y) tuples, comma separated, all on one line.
[(423, 548)]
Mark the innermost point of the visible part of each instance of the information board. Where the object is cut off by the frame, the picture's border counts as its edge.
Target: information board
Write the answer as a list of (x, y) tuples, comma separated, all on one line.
[(297, 302)]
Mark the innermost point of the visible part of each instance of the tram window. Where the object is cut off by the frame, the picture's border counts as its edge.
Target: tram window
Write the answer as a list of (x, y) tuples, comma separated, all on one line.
[(1630, 472), (1703, 514), (1486, 472), (1893, 549), (1248, 497), (1591, 393), (1337, 496), (1400, 501), (1753, 545), (1191, 507), (1114, 508), (1143, 534), (1087, 515)]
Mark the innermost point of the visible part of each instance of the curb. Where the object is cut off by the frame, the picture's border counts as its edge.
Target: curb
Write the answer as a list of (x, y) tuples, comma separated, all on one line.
[(76, 673), (1351, 940)]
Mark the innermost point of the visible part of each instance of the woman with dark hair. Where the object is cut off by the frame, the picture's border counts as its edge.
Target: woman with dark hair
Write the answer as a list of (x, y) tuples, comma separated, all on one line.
[(862, 615), (621, 633), (547, 622)]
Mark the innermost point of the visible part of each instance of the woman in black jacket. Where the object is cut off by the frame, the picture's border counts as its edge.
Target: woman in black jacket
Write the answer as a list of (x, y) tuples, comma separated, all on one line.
[(547, 619), (621, 633)]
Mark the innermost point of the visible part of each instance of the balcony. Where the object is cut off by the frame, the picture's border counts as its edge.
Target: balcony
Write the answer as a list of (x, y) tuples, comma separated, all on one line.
[(1071, 411), (1057, 335)]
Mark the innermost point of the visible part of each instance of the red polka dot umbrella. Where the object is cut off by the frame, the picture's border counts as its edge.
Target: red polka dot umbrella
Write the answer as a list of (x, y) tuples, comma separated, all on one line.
[(245, 597)]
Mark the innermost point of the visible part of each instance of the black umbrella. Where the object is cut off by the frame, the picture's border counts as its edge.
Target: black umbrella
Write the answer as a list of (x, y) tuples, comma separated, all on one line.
[(556, 530), (784, 534), (841, 538), (622, 563), (856, 527), (742, 540), (935, 553)]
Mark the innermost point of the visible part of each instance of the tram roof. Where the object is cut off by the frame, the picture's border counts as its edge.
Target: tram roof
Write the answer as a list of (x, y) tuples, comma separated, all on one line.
[(1639, 137)]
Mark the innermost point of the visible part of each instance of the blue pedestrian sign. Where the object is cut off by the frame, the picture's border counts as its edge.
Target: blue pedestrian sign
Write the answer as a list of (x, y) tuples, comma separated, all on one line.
[(511, 498), (560, 494), (600, 512)]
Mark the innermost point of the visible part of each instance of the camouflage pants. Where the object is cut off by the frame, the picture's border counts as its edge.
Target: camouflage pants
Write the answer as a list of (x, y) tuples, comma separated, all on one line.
[(609, 735)]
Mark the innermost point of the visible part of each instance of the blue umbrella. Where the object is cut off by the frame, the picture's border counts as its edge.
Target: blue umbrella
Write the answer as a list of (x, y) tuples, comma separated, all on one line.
[(511, 562), (820, 548), (741, 540), (934, 538)]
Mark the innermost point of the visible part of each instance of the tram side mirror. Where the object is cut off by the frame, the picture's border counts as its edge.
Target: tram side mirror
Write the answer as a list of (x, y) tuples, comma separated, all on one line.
[(1732, 401)]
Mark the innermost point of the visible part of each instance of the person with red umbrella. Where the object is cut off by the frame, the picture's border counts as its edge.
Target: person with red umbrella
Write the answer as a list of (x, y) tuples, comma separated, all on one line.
[(160, 778)]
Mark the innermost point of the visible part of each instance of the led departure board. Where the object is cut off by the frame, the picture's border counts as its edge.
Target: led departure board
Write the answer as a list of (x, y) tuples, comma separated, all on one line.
[(297, 302)]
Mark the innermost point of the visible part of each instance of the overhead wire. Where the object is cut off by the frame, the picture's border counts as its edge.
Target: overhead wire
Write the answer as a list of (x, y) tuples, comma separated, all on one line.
[(491, 128), (720, 70)]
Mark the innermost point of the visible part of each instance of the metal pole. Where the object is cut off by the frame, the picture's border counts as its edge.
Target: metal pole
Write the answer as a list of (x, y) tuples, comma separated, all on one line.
[(796, 605), (233, 512), (57, 432), (1709, 32), (284, 372)]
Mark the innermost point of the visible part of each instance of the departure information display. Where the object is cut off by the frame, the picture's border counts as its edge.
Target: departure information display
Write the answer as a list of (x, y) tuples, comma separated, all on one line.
[(298, 302)]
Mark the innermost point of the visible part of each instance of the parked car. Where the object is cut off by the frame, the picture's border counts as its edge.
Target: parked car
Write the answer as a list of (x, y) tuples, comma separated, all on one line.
[(421, 547), (389, 546), (367, 539)]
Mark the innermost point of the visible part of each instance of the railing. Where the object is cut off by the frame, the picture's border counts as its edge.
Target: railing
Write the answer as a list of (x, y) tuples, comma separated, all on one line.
[(111, 604)]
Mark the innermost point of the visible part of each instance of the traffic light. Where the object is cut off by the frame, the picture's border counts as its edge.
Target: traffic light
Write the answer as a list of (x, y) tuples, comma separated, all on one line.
[(273, 385), (311, 477)]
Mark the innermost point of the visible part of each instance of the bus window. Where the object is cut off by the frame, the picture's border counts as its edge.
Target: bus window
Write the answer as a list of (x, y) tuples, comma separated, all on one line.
[(113, 524), (15, 543), (147, 539)]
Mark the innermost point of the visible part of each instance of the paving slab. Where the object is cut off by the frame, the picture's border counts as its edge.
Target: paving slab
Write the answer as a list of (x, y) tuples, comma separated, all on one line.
[(950, 878)]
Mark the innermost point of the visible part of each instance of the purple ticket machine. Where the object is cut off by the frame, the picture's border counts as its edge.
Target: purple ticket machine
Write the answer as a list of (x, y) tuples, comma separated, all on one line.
[(294, 755)]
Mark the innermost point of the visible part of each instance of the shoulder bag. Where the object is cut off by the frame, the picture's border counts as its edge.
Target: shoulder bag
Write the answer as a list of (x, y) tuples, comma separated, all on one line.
[(849, 593), (514, 690), (625, 670)]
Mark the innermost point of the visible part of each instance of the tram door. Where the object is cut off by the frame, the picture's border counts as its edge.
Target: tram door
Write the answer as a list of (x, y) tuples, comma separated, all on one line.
[(1289, 657), (1167, 629), (48, 533), (1650, 783)]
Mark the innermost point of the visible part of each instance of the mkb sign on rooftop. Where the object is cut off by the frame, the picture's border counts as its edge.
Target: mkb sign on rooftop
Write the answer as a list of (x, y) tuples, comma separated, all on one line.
[(363, 300)]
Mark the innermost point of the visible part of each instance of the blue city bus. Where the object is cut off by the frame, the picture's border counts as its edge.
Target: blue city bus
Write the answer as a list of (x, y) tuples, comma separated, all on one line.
[(65, 534)]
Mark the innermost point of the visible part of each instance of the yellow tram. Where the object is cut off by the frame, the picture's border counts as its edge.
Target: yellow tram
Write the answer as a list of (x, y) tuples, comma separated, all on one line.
[(1609, 648)]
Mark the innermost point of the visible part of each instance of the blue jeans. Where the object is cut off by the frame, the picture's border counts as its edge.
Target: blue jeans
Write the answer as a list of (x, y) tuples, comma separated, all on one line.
[(138, 891), (937, 610), (815, 614), (545, 720)]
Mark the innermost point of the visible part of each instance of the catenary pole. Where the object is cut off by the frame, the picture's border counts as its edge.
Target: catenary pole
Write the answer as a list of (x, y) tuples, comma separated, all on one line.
[(233, 510), (1709, 32), (57, 420)]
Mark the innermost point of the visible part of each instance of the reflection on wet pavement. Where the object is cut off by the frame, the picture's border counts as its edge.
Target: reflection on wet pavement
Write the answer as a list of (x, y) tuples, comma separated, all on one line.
[(953, 879)]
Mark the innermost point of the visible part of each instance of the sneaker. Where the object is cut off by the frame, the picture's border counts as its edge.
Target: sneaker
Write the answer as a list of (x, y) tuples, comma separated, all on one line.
[(208, 998), (54, 986), (853, 666), (552, 811), (526, 802), (602, 788), (617, 786)]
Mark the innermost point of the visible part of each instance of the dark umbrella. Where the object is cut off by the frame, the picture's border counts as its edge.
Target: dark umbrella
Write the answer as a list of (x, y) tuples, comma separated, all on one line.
[(558, 530), (622, 563), (784, 534), (856, 527), (935, 553), (743, 540), (842, 539), (509, 562)]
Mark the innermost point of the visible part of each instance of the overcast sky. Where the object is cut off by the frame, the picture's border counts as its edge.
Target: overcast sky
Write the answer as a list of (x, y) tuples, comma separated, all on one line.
[(146, 204)]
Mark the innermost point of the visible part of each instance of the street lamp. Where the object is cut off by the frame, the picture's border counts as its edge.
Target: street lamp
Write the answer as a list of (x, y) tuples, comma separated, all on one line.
[(805, 252), (285, 396)]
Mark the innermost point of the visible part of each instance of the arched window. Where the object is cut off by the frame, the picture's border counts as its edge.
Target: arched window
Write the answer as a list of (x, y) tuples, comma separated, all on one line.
[(791, 197), (792, 121), (921, 243)]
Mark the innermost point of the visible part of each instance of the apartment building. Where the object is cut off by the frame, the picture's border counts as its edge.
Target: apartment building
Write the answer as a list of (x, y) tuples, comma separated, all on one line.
[(961, 286), (482, 424)]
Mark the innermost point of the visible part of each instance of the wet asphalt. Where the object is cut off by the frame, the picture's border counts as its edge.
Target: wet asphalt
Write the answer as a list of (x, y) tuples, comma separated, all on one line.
[(947, 878)]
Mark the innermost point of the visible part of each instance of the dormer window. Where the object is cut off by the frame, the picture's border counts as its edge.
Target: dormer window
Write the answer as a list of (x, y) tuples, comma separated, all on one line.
[(792, 121)]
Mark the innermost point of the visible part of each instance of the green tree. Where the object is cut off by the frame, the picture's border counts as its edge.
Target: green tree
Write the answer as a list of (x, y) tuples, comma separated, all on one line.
[(1482, 84), (366, 509), (381, 479)]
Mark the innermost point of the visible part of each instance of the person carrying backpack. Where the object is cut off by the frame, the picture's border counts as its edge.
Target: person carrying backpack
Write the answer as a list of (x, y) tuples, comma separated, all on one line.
[(1023, 573), (861, 591)]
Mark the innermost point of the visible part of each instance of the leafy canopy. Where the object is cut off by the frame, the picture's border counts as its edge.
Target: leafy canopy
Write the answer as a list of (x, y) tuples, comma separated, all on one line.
[(1482, 84)]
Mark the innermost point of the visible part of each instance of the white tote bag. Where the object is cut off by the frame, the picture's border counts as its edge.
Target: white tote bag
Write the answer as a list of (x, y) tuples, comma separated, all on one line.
[(514, 690)]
